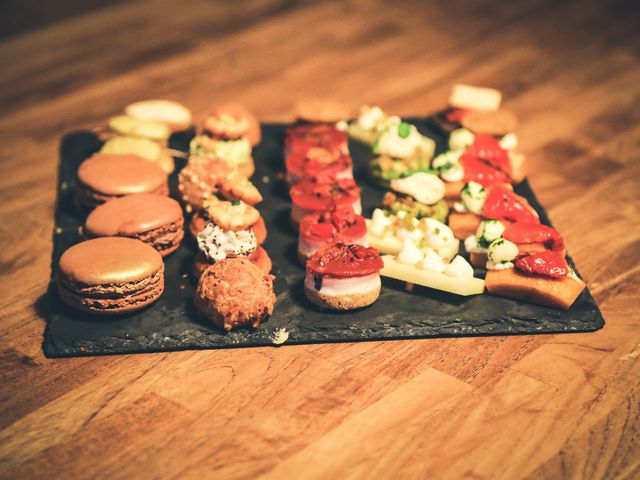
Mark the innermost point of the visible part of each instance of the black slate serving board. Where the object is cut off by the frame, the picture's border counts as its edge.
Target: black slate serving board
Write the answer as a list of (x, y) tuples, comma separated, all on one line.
[(173, 324)]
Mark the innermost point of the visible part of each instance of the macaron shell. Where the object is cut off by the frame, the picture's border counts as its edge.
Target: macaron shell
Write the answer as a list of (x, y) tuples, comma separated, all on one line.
[(132, 214), (121, 174), (174, 114), (109, 260), (117, 298)]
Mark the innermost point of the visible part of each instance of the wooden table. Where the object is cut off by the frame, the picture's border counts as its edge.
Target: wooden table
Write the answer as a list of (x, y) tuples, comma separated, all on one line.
[(544, 406)]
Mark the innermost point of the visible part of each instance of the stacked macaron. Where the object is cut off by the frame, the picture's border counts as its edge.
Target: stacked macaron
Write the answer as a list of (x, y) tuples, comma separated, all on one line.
[(144, 130), (224, 136), (103, 177), (325, 204), (132, 222), (110, 275), (154, 219)]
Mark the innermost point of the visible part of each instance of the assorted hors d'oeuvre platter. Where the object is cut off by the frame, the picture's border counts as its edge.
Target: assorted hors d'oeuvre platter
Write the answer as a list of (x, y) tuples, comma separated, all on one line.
[(328, 229)]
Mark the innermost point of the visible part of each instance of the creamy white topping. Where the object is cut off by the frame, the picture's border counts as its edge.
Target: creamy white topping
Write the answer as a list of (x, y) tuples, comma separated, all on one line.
[(218, 244), (344, 286), (424, 187), (410, 254), (432, 261), (473, 196), (488, 231), (509, 141), (380, 222), (400, 141), (460, 208), (461, 139), (437, 233), (501, 254), (407, 233), (453, 174), (370, 118), (459, 267), (448, 166), (471, 245)]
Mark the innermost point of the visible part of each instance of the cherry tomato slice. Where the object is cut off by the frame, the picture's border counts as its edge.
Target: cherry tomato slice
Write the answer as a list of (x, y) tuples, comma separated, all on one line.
[(345, 261)]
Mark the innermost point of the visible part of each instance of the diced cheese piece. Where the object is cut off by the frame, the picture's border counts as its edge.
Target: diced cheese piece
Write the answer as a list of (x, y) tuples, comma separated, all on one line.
[(438, 281)]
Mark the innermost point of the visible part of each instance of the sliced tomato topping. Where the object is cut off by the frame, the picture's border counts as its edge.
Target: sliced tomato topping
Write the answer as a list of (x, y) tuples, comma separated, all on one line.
[(318, 162), (487, 148), (340, 222), (476, 170), (547, 264), (345, 261), (315, 135), (534, 233), (318, 196), (502, 203)]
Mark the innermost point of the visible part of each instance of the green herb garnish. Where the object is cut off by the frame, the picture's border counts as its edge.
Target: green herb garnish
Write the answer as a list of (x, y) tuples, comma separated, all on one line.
[(404, 130), (235, 203)]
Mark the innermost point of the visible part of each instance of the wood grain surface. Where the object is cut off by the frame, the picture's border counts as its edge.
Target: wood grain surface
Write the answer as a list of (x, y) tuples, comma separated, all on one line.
[(548, 406)]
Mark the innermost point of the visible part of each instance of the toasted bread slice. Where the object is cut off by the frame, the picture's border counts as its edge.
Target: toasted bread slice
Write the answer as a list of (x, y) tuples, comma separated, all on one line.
[(464, 224), (555, 293), (478, 259), (452, 191), (518, 167)]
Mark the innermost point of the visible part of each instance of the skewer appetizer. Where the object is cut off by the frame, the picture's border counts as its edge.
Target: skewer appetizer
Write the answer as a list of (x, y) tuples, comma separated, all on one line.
[(224, 137), (400, 150), (497, 202), (369, 125), (387, 232)]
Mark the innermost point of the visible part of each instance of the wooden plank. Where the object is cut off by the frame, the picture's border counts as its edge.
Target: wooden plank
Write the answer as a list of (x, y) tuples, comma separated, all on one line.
[(544, 406)]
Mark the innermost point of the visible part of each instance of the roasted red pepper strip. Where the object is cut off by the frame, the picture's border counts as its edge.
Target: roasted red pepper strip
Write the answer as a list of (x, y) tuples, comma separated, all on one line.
[(520, 232), (548, 264), (455, 115), (476, 170), (345, 261), (308, 136), (487, 148), (502, 203)]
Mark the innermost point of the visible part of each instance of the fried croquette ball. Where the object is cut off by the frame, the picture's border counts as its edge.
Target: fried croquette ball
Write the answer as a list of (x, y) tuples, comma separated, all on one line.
[(234, 293)]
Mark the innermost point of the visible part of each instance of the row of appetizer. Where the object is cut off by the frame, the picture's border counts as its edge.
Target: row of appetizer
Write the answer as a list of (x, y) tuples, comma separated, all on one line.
[(132, 222), (435, 201)]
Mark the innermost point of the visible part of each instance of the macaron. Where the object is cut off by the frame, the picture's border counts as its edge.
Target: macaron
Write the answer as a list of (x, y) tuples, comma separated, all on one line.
[(175, 115), (143, 147), (129, 126), (103, 177), (110, 275), (155, 219)]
